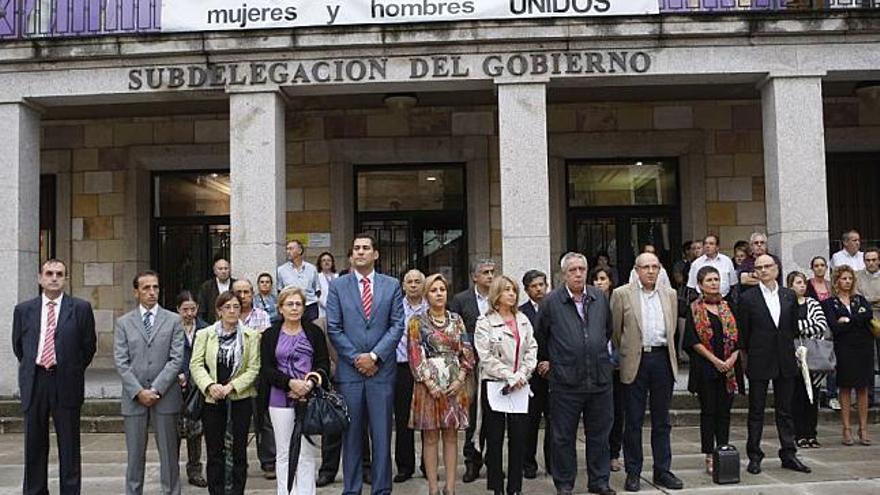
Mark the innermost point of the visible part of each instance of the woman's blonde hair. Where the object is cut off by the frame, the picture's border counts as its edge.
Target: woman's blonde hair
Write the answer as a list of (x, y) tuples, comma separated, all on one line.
[(497, 288), (838, 272), (429, 281), (286, 294)]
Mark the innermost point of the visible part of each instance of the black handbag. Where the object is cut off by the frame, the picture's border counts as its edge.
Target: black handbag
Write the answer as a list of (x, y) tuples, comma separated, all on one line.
[(326, 413), (194, 403), (820, 354), (725, 465)]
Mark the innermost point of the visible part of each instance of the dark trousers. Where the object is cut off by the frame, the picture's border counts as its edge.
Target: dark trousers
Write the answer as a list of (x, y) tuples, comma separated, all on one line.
[(214, 419), (715, 404), (494, 423), (404, 437), (615, 440), (597, 414), (652, 388), (193, 456), (331, 453), (472, 453), (36, 439), (263, 431), (539, 406), (807, 413), (782, 390)]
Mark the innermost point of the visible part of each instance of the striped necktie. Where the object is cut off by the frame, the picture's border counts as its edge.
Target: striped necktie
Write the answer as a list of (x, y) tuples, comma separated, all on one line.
[(367, 297), (148, 324), (47, 357)]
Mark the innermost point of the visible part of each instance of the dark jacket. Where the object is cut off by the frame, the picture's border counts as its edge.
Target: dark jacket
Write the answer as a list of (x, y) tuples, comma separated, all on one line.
[(207, 297), (269, 371), (527, 309), (577, 350), (75, 344), (188, 348), (769, 350), (465, 305)]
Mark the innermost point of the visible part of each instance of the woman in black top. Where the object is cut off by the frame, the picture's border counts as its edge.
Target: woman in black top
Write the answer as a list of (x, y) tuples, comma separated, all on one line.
[(711, 337), (811, 325), (849, 315)]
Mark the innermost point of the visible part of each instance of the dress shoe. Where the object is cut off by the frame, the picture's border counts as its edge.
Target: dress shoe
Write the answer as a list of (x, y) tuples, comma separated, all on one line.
[(530, 473), (269, 474), (198, 481), (795, 464), (471, 472), (754, 467), (668, 480), (401, 477), (633, 483), (324, 480), (368, 477), (604, 490)]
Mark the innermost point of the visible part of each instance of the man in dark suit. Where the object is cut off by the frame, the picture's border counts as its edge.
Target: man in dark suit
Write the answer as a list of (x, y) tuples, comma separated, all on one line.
[(767, 322), (364, 323), (535, 284), (574, 325), (213, 287), (470, 304), (53, 337)]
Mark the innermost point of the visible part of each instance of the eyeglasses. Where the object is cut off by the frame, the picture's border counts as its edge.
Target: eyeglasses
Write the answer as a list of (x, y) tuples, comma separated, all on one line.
[(230, 307), (292, 304)]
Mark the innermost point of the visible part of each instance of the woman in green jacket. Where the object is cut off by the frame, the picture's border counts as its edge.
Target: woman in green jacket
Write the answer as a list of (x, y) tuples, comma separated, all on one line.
[(224, 366)]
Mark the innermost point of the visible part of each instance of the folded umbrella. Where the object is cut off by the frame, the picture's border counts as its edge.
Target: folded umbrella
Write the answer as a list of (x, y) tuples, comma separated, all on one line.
[(801, 355)]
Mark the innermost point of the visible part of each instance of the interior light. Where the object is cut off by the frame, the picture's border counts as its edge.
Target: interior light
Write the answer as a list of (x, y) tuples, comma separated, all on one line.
[(431, 178)]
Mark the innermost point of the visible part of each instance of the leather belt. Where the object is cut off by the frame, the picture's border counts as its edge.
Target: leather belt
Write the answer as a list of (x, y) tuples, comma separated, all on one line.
[(655, 348)]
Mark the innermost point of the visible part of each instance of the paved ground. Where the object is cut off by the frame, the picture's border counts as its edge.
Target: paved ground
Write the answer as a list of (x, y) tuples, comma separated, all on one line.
[(837, 469)]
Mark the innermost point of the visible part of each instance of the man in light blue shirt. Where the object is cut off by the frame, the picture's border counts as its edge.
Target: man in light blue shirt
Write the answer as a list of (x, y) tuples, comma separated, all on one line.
[(300, 273)]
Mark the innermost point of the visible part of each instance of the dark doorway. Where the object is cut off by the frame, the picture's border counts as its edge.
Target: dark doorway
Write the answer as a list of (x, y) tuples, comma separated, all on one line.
[(618, 206), (853, 201), (48, 203), (417, 215), (190, 229)]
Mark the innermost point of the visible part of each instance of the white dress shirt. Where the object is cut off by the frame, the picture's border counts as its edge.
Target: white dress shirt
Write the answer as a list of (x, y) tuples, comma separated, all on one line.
[(842, 257), (482, 302), (771, 297), (153, 311), (725, 268), (372, 278), (653, 322), (221, 286), (44, 312)]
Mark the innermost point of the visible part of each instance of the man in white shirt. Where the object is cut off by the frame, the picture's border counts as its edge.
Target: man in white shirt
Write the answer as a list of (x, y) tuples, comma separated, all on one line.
[(712, 257), (300, 273), (850, 254)]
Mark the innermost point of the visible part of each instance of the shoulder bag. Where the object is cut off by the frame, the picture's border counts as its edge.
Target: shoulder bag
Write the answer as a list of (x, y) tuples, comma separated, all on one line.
[(326, 413), (820, 354)]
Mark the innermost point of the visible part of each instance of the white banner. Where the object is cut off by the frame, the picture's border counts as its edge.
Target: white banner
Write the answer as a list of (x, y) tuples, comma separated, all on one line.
[(224, 15)]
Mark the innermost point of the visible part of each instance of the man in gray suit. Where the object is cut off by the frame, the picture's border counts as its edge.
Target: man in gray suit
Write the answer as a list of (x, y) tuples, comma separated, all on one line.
[(148, 350)]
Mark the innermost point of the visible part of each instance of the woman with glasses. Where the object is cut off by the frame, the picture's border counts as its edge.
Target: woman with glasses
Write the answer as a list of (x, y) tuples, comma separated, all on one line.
[(294, 361), (224, 366)]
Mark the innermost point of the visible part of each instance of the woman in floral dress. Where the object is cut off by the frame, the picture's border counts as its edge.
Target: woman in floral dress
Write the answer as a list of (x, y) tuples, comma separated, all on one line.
[(441, 359)]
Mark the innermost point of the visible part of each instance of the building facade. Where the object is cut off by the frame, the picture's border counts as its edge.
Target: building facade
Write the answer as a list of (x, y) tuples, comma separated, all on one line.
[(516, 140)]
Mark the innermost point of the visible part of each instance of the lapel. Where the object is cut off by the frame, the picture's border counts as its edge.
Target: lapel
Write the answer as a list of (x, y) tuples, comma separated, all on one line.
[(64, 313), (356, 294), (34, 317), (670, 315), (765, 309), (636, 300), (158, 321), (138, 322)]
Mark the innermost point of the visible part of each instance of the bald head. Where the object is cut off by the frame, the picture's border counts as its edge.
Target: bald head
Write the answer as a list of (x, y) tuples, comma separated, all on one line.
[(414, 285), (767, 269), (648, 269)]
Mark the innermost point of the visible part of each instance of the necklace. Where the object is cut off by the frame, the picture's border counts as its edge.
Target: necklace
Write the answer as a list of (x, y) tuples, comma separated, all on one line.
[(438, 322)]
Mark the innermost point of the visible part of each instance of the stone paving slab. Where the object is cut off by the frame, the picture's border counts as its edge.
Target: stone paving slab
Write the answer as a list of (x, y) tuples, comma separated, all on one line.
[(837, 469)]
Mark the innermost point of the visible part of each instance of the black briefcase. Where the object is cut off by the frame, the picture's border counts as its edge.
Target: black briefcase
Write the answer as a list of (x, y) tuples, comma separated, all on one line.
[(725, 462)]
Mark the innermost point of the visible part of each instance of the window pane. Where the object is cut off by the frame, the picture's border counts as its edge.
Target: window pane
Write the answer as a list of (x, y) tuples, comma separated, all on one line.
[(191, 195), (634, 183), (411, 190)]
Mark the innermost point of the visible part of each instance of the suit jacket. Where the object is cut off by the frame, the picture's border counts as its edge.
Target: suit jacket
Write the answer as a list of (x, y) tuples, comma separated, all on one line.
[(269, 363), (465, 305), (769, 349), (626, 311), (149, 363), (203, 366), (188, 348), (576, 348), (75, 344), (352, 333), (207, 297)]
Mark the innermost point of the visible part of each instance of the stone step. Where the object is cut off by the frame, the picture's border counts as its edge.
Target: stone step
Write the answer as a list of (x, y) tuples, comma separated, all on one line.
[(680, 417)]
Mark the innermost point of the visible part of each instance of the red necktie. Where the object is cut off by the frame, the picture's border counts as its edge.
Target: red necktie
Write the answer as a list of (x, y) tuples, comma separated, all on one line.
[(367, 297), (47, 357)]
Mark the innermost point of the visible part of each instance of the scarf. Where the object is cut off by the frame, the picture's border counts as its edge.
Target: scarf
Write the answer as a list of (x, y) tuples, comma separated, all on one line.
[(729, 332), (231, 345)]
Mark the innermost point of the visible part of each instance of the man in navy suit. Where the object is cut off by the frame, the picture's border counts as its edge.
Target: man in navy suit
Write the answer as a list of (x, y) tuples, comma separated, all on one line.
[(53, 337), (365, 323)]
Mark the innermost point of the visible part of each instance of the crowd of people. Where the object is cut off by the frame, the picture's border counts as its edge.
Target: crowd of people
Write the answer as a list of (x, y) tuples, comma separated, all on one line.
[(408, 356)]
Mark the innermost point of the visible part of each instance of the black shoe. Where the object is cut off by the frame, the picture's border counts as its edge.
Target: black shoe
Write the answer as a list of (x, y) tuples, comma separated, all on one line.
[(324, 480), (605, 490), (198, 480), (368, 477), (754, 467), (497, 492), (530, 473), (668, 480), (795, 464), (401, 477), (633, 483), (471, 472)]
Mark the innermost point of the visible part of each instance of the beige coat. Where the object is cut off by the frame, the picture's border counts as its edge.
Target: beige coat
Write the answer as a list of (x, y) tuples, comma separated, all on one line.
[(496, 347), (626, 315)]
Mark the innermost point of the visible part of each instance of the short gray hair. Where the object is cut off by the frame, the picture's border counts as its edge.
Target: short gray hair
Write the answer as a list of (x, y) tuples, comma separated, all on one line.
[(640, 259), (848, 234), (755, 235), (475, 266), (571, 255)]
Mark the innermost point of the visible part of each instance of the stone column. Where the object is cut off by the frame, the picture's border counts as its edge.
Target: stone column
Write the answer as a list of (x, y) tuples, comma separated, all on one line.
[(525, 184), (794, 164), (19, 222), (258, 206)]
